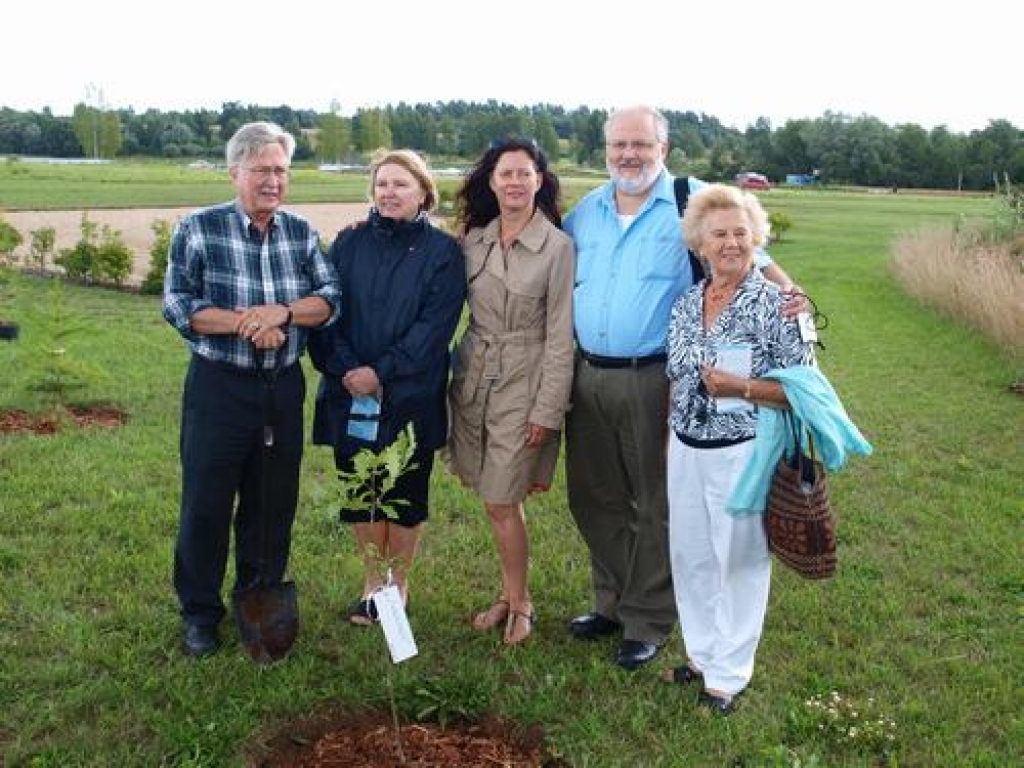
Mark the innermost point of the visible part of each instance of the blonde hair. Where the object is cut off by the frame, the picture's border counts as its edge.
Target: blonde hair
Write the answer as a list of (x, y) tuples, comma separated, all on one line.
[(719, 197), (414, 164)]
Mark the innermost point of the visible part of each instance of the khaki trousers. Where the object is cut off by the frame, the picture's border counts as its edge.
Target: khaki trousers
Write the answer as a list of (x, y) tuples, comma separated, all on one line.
[(616, 437)]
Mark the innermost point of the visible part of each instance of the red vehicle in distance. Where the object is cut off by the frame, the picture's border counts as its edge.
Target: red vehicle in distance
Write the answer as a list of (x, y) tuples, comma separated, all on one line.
[(749, 180)]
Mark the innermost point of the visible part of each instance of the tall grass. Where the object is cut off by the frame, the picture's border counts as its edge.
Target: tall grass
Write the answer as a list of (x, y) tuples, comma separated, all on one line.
[(975, 279), (921, 627)]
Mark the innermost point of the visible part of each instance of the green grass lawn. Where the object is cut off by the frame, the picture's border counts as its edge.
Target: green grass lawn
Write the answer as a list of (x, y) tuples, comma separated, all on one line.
[(920, 629), (37, 186)]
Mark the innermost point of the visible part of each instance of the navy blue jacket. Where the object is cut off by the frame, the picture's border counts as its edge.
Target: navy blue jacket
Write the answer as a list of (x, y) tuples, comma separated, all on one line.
[(402, 289)]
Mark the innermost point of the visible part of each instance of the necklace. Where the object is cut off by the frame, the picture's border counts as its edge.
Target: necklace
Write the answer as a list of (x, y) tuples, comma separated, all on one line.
[(719, 293)]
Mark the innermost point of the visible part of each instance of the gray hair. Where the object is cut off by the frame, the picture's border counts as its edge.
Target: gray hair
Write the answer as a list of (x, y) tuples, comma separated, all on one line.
[(660, 121), (722, 197), (250, 139)]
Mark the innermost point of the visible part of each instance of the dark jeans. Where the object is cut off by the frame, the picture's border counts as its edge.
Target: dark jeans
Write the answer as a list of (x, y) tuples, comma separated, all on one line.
[(223, 460)]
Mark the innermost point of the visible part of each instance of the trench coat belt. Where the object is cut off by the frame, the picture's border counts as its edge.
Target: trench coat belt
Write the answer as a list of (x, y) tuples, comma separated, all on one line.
[(486, 362)]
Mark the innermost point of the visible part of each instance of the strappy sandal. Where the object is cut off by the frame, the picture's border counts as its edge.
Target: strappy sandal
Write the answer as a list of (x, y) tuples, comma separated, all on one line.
[(363, 612), (493, 616), (681, 675), (516, 620)]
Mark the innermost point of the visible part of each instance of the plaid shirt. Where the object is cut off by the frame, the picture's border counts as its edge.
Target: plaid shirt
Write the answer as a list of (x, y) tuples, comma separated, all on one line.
[(219, 259)]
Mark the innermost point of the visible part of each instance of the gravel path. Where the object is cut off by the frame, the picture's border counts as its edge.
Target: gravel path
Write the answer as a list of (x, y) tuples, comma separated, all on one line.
[(136, 225)]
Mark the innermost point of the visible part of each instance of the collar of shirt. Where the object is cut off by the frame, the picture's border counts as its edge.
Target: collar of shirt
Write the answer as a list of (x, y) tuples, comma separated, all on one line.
[(248, 224), (532, 237)]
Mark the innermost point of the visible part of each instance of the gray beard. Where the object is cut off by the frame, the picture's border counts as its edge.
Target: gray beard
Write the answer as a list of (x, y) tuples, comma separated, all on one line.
[(640, 184)]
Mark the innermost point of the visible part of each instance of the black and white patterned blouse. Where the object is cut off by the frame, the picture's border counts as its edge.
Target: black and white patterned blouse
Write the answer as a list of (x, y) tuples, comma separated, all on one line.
[(753, 319)]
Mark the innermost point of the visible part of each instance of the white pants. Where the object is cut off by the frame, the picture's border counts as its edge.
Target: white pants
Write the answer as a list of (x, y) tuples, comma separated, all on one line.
[(720, 564)]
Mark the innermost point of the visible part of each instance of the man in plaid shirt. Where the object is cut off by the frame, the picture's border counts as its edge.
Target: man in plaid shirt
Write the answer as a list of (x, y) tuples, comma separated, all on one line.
[(245, 281)]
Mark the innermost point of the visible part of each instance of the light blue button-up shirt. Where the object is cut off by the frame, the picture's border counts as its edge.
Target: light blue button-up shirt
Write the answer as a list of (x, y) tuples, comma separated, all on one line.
[(628, 277)]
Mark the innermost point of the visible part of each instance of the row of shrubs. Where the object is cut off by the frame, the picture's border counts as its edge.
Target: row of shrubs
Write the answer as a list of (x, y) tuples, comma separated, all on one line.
[(100, 257)]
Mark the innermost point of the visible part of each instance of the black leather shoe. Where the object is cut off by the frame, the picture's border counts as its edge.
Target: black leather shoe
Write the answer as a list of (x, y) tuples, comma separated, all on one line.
[(592, 626), (200, 640), (723, 705), (632, 654)]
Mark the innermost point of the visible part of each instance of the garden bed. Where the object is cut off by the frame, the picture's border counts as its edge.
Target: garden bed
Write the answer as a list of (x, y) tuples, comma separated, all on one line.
[(368, 741), (49, 422)]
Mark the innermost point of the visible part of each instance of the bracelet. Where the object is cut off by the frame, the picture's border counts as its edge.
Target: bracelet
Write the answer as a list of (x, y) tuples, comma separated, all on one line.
[(287, 320), (746, 390)]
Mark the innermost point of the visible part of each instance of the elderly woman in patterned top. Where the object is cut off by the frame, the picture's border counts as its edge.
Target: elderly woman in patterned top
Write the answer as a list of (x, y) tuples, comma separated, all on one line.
[(725, 333)]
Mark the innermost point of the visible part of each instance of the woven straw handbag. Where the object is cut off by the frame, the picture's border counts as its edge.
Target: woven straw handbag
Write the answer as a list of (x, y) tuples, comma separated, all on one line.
[(799, 521)]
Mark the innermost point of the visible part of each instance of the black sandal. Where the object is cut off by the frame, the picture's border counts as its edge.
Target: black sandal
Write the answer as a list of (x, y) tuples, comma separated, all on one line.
[(723, 705), (363, 613), (682, 675)]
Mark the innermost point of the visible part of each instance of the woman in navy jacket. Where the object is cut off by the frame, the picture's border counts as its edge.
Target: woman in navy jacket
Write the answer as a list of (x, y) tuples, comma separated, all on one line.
[(403, 284)]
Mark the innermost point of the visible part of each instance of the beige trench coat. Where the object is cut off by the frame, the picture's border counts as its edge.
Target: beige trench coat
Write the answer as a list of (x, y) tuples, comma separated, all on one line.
[(513, 366)]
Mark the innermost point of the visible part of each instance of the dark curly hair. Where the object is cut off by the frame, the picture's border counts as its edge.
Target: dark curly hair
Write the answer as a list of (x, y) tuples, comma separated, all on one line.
[(475, 201)]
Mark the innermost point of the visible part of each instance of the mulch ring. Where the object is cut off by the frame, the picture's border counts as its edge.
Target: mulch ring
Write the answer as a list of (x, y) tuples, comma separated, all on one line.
[(52, 421), (368, 741)]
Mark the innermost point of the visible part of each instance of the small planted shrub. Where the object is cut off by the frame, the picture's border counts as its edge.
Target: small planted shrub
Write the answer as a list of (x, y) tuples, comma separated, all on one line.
[(780, 224), (10, 239), (100, 255), (42, 243), (79, 263), (153, 283), (53, 369), (113, 257)]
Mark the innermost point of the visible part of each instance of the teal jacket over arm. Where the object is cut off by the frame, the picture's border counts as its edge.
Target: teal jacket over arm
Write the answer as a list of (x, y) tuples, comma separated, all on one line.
[(816, 407)]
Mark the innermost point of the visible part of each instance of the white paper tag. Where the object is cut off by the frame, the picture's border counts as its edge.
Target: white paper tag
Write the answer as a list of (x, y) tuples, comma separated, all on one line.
[(395, 623), (808, 332), (736, 359)]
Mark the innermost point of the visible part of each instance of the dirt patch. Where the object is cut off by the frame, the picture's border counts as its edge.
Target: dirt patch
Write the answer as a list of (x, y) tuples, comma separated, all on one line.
[(136, 225), (50, 422), (368, 741)]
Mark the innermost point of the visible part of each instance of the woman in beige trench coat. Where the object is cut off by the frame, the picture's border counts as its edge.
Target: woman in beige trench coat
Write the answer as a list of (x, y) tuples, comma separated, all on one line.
[(513, 371)]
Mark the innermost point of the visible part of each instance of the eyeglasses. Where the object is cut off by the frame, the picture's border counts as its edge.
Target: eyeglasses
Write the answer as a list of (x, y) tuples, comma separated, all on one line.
[(636, 146), (266, 171)]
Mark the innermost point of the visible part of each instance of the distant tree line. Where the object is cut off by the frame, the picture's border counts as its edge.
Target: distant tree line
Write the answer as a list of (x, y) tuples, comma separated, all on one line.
[(838, 148)]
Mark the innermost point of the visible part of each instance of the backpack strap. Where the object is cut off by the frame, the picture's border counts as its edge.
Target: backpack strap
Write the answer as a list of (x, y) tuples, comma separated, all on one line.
[(681, 187)]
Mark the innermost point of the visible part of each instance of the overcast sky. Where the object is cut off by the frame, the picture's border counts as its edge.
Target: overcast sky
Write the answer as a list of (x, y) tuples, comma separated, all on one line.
[(902, 61)]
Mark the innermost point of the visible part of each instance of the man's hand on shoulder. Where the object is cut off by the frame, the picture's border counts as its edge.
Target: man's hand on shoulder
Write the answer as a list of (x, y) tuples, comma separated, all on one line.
[(796, 300)]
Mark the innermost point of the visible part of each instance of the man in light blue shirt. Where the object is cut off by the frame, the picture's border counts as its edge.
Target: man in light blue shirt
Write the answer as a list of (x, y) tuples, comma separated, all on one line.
[(631, 264)]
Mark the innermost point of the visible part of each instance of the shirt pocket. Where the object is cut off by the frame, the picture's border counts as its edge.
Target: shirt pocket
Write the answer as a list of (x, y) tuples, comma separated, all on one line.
[(586, 252), (660, 257), (527, 293)]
